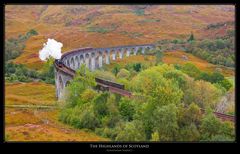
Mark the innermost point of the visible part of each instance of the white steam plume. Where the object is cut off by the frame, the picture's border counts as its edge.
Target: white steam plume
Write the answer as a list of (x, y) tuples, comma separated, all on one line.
[(51, 49)]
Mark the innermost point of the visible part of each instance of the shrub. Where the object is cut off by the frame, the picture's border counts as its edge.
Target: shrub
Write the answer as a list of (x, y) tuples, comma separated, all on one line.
[(226, 84), (18, 72), (32, 32), (159, 56), (123, 73), (88, 120), (88, 95), (126, 108), (139, 12), (133, 131), (137, 67), (191, 70), (165, 122), (189, 133), (203, 93), (116, 69), (216, 77), (83, 117), (217, 51), (176, 75), (155, 136), (212, 127), (105, 75), (100, 106), (204, 76), (191, 38)]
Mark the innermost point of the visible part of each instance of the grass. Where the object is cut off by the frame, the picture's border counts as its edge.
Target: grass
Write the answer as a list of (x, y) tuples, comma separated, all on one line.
[(30, 55), (15, 117), (42, 125), (35, 93), (31, 114)]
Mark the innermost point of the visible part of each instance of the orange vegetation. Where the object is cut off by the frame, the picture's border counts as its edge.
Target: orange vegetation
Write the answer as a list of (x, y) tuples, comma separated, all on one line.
[(29, 124), (35, 93), (42, 125), (70, 25)]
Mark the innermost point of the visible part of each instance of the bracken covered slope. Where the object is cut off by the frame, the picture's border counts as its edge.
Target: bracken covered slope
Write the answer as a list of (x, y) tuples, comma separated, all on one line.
[(111, 25)]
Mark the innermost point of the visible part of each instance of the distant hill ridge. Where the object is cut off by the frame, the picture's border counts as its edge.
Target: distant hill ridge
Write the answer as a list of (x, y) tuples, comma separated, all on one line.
[(112, 25)]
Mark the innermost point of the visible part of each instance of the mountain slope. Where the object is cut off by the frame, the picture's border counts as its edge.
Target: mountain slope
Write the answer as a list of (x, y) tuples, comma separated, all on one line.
[(109, 25)]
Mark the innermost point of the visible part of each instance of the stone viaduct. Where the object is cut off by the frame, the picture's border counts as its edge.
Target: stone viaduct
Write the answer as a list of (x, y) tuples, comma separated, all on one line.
[(93, 58)]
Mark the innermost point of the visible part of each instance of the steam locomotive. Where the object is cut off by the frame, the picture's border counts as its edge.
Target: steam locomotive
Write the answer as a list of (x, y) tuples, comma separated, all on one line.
[(59, 62)]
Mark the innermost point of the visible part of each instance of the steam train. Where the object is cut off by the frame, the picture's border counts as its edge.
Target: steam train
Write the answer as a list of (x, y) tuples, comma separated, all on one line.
[(109, 83), (59, 62)]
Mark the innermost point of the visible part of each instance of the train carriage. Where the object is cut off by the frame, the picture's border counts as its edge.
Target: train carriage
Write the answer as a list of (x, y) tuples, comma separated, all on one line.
[(109, 83)]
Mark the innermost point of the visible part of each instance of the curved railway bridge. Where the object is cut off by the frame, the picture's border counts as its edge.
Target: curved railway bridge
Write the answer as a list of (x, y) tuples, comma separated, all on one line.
[(94, 58)]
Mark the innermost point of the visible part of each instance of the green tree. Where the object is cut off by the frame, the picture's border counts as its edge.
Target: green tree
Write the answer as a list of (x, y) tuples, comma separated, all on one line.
[(212, 129), (191, 70), (126, 108), (216, 77), (210, 126), (226, 84), (87, 95), (158, 90), (155, 136), (189, 115), (221, 138), (178, 76), (133, 131), (203, 93), (189, 133), (204, 76), (100, 104), (165, 122), (83, 79), (137, 67)]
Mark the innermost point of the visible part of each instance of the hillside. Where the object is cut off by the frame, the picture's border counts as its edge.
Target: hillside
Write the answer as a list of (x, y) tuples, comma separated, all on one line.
[(111, 25), (26, 121)]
